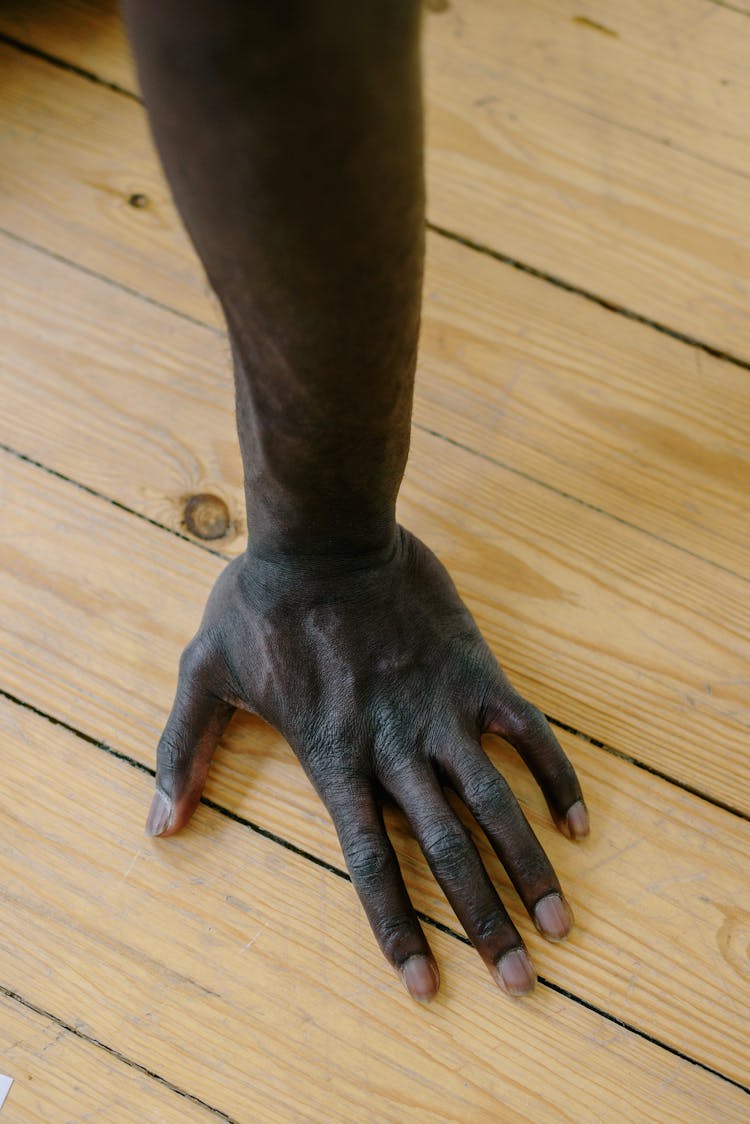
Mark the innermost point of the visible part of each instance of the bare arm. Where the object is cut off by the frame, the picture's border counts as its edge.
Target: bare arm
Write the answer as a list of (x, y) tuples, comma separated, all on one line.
[(292, 138)]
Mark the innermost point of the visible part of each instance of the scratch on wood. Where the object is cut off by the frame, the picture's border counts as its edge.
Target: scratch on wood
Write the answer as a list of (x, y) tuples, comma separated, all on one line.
[(132, 864), (61, 1032), (617, 853), (584, 21), (252, 940)]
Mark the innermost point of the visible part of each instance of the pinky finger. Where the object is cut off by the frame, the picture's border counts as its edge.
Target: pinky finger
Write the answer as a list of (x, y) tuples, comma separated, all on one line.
[(528, 731)]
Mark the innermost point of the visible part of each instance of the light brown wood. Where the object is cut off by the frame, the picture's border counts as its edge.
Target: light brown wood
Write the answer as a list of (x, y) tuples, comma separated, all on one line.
[(94, 633), (645, 641), (80, 152), (607, 147), (223, 960), (58, 1076), (562, 147)]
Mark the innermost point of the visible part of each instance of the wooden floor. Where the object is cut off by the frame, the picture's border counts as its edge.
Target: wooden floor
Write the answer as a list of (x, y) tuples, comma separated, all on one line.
[(581, 462)]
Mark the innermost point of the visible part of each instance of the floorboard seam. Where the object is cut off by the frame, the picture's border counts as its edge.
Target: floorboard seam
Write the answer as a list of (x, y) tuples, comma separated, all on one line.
[(731, 7), (70, 67), (416, 425), (108, 499), (577, 499), (129, 1062), (587, 294), (271, 836), (683, 785), (713, 800), (342, 874), (120, 285), (644, 1034)]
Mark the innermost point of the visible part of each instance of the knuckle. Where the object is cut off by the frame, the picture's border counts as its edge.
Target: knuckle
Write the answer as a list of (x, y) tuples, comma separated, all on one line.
[(525, 721), (394, 933), (488, 795), (367, 859), (172, 757), (195, 659), (561, 774), (487, 927), (533, 869), (447, 847)]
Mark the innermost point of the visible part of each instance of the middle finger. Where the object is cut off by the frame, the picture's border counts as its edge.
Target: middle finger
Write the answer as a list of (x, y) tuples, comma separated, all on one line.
[(489, 798), (455, 862)]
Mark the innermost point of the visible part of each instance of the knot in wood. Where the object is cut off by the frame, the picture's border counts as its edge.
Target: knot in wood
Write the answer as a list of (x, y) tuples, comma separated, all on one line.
[(138, 200), (207, 516)]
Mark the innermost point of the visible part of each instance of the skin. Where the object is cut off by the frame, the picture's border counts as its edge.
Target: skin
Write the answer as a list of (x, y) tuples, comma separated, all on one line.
[(292, 139)]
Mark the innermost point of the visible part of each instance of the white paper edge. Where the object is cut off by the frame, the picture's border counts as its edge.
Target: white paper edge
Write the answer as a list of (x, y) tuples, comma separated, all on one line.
[(5, 1084)]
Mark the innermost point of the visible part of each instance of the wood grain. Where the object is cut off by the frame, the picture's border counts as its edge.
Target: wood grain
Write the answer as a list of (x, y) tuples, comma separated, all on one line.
[(644, 640), (609, 149), (564, 148), (93, 636), (58, 1076), (225, 960), (573, 403)]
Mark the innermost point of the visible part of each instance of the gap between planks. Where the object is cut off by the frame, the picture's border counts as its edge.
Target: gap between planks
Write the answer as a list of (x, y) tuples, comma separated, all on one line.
[(638, 426), (67, 1074), (508, 466)]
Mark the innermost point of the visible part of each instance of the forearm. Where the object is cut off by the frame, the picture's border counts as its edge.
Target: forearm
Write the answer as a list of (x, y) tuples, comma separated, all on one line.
[(292, 138)]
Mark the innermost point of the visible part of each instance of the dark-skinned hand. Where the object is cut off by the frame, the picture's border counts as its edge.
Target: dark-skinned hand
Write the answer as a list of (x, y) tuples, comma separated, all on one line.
[(379, 679)]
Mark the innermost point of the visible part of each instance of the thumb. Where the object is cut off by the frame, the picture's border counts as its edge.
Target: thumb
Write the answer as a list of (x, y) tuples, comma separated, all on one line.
[(197, 720)]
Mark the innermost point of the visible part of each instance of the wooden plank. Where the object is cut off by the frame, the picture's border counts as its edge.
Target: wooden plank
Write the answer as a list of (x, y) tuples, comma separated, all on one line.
[(735, 5), (573, 403), (610, 149), (563, 148), (85, 33), (642, 637), (242, 971), (79, 153), (674, 72), (94, 627), (59, 1076)]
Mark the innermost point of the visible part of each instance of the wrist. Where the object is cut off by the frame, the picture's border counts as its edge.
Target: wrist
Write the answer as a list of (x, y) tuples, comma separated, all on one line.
[(350, 550), (323, 522)]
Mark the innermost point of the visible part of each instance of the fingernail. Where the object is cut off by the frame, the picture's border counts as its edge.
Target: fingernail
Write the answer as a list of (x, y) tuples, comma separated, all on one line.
[(515, 972), (421, 979), (577, 820), (158, 814), (553, 917)]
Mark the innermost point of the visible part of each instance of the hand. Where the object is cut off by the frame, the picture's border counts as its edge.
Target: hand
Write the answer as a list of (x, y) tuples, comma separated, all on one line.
[(379, 679)]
